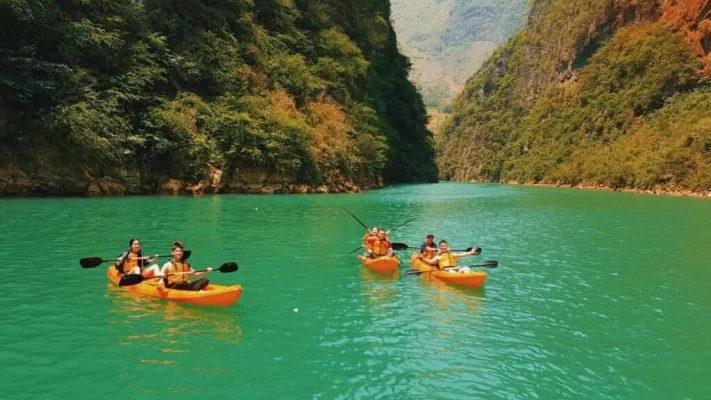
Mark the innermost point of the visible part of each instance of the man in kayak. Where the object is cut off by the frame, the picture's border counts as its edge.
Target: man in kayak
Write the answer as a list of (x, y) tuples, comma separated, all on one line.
[(379, 246), (447, 259), (180, 269), (428, 248), (132, 261)]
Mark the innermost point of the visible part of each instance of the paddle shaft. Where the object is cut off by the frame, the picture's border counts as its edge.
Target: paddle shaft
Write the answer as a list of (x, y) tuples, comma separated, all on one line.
[(356, 218), (403, 224), (403, 246), (134, 279), (491, 265)]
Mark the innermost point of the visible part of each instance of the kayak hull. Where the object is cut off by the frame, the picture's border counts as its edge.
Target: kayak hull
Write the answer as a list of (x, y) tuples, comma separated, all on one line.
[(383, 265), (474, 279), (210, 295)]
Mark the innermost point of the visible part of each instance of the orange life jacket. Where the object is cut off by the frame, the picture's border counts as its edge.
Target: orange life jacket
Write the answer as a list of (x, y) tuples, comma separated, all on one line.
[(176, 268), (447, 260), (380, 247), (131, 261), (370, 241)]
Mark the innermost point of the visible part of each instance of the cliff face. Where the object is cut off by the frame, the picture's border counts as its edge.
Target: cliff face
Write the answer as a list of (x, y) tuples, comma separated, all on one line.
[(166, 96), (610, 93)]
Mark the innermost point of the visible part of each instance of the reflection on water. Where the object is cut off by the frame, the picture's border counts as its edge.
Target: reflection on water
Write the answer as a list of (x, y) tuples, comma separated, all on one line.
[(379, 289), (176, 326)]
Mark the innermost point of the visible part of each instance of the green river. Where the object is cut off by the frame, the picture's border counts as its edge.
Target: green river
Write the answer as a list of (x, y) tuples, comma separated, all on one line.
[(598, 295)]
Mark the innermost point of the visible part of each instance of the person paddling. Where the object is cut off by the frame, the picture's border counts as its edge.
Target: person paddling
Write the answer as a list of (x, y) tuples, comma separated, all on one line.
[(369, 238), (428, 248), (447, 259), (132, 261), (178, 266), (379, 246)]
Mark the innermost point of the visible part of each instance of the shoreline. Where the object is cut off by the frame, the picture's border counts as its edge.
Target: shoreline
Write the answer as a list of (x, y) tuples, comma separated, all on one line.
[(103, 187), (658, 191)]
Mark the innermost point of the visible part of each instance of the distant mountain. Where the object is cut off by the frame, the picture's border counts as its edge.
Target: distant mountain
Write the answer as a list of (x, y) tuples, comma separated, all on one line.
[(448, 40)]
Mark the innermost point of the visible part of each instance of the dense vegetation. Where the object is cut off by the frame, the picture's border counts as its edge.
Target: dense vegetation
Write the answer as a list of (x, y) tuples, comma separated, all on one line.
[(313, 91), (448, 40), (603, 93)]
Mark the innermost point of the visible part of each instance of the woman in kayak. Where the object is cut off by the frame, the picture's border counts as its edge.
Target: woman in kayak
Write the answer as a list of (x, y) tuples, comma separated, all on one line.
[(132, 261), (447, 259), (369, 237), (182, 268), (379, 246)]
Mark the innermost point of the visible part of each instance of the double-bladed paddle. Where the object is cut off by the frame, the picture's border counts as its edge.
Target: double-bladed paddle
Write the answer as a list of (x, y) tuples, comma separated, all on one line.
[(403, 246), (135, 279), (93, 262), (485, 264)]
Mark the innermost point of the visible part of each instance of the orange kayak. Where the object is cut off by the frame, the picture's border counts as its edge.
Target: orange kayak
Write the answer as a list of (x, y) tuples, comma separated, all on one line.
[(211, 295), (383, 265), (474, 279)]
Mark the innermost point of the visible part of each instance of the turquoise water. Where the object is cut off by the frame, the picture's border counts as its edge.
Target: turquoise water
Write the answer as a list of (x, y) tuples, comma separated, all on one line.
[(598, 295)]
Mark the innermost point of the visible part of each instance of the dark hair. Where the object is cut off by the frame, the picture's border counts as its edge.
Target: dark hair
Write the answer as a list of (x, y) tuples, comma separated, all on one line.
[(130, 242), (443, 241), (177, 244)]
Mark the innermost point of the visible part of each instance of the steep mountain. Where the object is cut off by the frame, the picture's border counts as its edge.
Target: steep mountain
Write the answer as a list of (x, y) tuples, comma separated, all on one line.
[(197, 96), (609, 93), (448, 40)]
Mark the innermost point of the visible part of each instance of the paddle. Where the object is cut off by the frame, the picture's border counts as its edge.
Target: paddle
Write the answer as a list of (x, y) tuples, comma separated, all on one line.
[(93, 262), (409, 220), (485, 264), (356, 249), (403, 246), (356, 218), (135, 279)]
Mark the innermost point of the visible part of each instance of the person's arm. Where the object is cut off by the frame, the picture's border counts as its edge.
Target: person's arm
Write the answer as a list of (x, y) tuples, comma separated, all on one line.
[(161, 281), (467, 254), (429, 261), (209, 269), (193, 273), (121, 259)]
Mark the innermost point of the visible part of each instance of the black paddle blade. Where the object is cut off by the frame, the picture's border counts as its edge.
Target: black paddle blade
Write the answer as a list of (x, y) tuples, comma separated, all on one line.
[(489, 264), (131, 279), (90, 262), (186, 254), (414, 272), (478, 250), (400, 246), (228, 267)]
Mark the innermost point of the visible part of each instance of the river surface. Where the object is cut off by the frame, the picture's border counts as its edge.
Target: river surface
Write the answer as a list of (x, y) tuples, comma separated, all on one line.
[(598, 295)]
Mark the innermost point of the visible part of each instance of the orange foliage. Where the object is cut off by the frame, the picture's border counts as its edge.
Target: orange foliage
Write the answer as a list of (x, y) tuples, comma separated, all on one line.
[(282, 102), (331, 131), (693, 16)]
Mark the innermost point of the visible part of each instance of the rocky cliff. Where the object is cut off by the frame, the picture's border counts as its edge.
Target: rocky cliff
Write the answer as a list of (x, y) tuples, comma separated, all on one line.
[(612, 93), (193, 96)]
